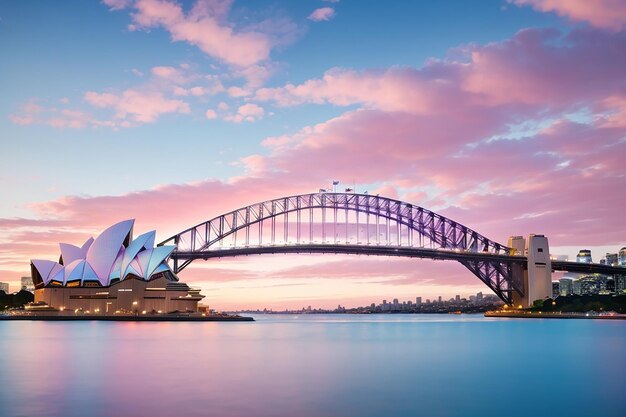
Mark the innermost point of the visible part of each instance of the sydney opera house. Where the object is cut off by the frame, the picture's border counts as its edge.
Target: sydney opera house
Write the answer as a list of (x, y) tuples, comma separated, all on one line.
[(113, 274)]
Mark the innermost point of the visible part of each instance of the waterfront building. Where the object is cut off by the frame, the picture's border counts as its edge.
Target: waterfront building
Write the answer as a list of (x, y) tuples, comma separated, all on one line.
[(27, 284), (584, 256), (620, 284), (577, 288), (556, 289), (418, 301), (621, 257), (566, 286), (612, 259), (113, 273), (4, 286)]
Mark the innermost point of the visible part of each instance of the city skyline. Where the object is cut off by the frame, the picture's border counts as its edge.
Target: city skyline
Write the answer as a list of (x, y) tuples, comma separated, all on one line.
[(508, 116)]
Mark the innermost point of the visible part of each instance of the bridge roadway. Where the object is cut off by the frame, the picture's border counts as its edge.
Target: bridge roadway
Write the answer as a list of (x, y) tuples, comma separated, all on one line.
[(383, 250)]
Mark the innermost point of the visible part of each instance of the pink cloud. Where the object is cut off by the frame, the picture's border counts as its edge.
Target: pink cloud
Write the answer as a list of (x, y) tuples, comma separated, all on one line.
[(117, 4), (170, 73), (137, 106), (36, 114), (204, 26), (607, 14), (248, 112), (322, 14), (535, 67)]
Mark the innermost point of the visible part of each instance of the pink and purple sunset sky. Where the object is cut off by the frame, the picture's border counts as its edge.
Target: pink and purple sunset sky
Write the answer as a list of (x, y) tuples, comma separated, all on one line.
[(508, 116)]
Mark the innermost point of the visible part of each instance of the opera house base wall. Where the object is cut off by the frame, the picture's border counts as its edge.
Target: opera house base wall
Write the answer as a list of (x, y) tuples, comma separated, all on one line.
[(127, 296)]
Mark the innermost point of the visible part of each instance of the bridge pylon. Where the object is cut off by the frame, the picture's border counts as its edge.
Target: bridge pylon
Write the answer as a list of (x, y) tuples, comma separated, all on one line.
[(536, 276)]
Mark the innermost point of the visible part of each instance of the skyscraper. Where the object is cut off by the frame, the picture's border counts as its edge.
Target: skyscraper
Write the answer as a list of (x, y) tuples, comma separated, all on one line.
[(566, 286), (621, 257), (27, 284), (612, 259), (418, 301), (4, 286), (584, 256)]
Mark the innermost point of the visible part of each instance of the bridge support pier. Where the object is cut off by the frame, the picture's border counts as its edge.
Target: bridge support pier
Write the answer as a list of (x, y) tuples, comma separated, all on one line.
[(536, 278)]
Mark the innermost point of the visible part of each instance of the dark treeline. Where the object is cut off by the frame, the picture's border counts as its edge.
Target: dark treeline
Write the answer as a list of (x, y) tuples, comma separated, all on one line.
[(583, 303), (15, 300)]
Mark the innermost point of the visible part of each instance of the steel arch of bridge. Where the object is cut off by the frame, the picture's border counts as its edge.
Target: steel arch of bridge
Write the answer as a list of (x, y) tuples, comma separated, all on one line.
[(376, 224)]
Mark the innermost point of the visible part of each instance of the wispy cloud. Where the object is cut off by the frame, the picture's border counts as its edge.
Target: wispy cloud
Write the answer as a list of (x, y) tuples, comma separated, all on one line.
[(322, 14)]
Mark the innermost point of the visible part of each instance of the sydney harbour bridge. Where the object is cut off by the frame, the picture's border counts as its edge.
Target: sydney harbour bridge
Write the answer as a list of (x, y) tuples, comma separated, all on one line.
[(363, 224)]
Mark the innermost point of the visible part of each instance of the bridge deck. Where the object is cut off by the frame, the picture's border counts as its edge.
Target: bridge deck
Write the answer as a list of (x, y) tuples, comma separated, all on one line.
[(382, 250), (378, 250)]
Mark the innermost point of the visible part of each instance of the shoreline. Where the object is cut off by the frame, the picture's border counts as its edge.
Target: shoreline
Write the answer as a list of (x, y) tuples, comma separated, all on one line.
[(549, 315), (161, 318)]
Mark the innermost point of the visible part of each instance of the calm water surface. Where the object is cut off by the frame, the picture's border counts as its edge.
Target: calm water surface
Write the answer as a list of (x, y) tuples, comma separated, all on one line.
[(330, 365)]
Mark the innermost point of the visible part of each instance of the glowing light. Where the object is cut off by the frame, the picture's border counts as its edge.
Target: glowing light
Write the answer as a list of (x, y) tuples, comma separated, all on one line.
[(135, 303)]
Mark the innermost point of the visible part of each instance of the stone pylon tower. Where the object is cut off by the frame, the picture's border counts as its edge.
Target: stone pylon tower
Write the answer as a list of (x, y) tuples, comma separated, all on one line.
[(537, 276)]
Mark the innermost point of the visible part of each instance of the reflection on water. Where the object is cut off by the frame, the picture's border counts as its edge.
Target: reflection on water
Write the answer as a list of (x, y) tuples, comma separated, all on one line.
[(309, 365)]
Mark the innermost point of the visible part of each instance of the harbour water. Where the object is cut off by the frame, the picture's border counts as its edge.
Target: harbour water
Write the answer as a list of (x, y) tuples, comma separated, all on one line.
[(315, 365)]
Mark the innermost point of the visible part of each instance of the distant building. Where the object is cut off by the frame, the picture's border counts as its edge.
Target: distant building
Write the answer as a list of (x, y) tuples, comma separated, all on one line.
[(4, 286), (439, 299), (566, 286), (577, 287), (621, 257), (556, 289), (457, 298), (584, 256), (479, 296), (418, 301), (27, 284), (612, 259), (620, 284)]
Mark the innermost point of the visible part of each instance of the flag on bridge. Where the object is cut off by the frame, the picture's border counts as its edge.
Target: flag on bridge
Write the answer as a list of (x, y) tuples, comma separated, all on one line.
[(349, 190), (322, 190), (335, 182)]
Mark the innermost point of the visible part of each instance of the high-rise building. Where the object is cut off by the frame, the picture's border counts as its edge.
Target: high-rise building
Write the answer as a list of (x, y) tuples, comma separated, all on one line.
[(621, 257), (612, 259), (577, 287), (418, 301), (27, 284), (439, 299), (479, 296), (457, 298), (584, 256), (556, 289), (620, 284), (566, 286), (4, 286)]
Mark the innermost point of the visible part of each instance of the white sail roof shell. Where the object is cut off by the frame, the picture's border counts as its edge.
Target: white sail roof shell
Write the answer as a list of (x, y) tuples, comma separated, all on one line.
[(103, 251), (105, 258)]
